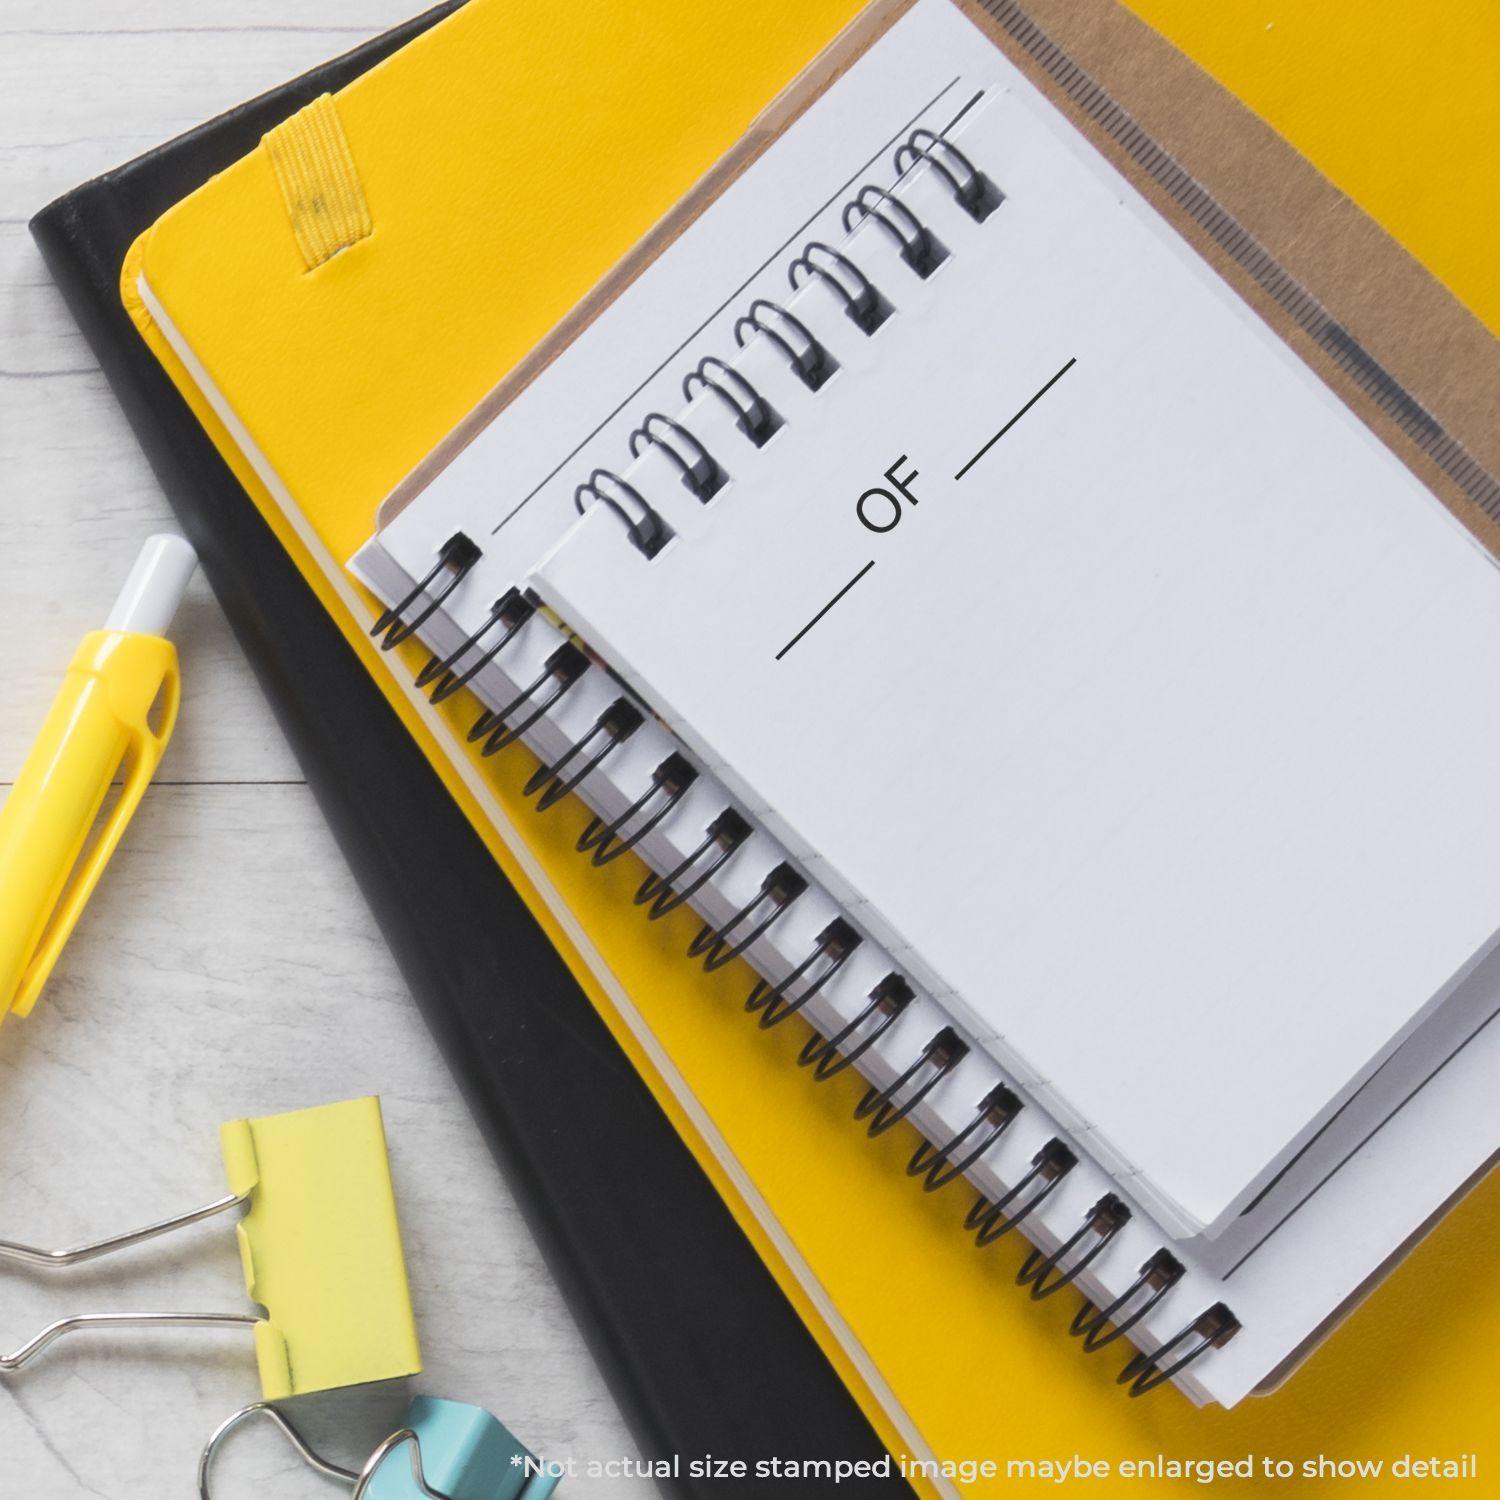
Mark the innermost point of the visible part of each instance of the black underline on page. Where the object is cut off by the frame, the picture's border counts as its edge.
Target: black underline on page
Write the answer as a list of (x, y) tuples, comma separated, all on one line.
[(1016, 418), (825, 609), (1358, 1147), (843, 187), (1317, 1136), (970, 105)]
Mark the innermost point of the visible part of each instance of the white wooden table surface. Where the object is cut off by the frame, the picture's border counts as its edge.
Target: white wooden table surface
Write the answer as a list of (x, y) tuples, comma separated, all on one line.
[(227, 965)]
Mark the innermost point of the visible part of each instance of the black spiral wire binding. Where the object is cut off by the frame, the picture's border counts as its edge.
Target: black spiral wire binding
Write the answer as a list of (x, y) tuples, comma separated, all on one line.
[(455, 557), (1046, 1274), (972, 190), (722, 944), (722, 840), (700, 472), (834, 945), (601, 841), (940, 1165), (1211, 1329), (809, 359), (647, 531), (1099, 1327), (586, 754), (886, 1108), (561, 670), (829, 1056), (863, 304), (917, 245), (510, 612), (811, 362), (752, 413), (991, 1221)]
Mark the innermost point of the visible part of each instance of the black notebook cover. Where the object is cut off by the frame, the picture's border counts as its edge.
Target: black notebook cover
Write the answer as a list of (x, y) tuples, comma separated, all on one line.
[(702, 1349)]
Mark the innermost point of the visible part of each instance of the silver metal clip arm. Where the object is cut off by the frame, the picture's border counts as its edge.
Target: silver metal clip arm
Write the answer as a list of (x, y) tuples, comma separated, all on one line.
[(31, 1255), (264, 1409), (360, 1482), (54, 1331)]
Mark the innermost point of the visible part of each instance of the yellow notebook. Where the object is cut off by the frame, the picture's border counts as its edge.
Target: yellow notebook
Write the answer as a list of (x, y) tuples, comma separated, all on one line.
[(462, 232)]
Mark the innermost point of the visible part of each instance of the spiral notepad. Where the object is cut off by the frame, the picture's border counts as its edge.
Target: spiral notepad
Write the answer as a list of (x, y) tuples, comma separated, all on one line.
[(948, 589), (1002, 441)]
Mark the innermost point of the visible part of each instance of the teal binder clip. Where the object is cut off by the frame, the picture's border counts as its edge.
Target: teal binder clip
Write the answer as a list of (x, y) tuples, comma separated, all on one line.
[(444, 1450)]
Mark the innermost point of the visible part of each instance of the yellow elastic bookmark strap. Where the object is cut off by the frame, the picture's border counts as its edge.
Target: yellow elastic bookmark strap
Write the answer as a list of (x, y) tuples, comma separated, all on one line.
[(321, 1248), (315, 170)]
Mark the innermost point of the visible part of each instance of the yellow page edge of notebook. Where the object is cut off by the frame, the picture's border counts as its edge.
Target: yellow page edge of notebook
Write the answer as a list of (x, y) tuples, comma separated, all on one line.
[(556, 847)]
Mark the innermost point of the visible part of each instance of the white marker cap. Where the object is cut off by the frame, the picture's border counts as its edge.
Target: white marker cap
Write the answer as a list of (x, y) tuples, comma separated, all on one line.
[(155, 587)]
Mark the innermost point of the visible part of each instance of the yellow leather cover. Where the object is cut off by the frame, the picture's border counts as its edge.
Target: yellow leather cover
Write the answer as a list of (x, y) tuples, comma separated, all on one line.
[(478, 248)]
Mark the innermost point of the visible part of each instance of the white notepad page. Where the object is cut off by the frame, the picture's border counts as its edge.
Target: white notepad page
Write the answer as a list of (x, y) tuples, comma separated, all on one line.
[(1160, 743)]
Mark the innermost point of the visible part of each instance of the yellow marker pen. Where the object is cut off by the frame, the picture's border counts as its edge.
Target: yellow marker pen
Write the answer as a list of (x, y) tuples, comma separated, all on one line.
[(113, 717)]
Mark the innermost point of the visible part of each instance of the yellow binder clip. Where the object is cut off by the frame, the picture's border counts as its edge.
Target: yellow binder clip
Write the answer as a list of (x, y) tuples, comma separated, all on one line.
[(320, 1245)]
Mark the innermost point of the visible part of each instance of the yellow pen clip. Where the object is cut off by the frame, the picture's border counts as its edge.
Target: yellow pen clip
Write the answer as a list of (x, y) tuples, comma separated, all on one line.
[(100, 726)]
